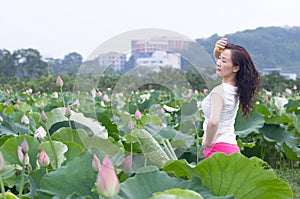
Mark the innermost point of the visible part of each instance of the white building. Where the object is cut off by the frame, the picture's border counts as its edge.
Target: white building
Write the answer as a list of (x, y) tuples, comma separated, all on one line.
[(112, 59), (266, 71), (160, 59)]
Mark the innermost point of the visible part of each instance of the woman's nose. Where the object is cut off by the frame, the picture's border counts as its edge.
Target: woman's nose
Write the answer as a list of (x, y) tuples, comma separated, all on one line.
[(218, 61)]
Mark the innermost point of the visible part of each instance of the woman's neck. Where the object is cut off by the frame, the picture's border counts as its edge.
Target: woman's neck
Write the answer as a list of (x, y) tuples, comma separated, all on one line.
[(230, 81)]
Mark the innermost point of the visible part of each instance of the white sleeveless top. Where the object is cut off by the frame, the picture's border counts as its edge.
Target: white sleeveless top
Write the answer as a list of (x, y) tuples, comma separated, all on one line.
[(225, 130)]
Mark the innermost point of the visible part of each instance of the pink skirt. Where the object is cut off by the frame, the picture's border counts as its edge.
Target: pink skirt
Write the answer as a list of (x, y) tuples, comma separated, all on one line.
[(222, 147)]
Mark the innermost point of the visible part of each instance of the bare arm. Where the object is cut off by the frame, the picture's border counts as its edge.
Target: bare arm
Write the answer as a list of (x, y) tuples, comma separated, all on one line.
[(217, 103), (219, 47)]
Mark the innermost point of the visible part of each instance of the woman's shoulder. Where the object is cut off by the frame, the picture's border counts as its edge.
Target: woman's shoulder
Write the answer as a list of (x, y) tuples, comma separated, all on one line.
[(219, 90)]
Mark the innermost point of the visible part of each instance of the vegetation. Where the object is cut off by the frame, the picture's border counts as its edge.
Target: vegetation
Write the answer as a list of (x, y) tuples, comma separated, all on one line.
[(150, 135)]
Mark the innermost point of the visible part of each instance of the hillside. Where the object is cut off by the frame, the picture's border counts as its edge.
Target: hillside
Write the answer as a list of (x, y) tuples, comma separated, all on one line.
[(270, 47)]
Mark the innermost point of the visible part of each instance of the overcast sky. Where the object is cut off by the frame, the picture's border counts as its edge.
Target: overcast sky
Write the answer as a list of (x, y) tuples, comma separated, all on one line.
[(58, 27)]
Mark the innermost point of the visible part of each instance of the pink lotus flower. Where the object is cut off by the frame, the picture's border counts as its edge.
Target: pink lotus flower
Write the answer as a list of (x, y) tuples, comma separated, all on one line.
[(25, 119), (96, 165), (55, 94), (68, 111), (40, 133), (98, 93), (288, 91), (138, 114), (266, 98), (107, 181), (59, 81), (44, 160), (106, 98)]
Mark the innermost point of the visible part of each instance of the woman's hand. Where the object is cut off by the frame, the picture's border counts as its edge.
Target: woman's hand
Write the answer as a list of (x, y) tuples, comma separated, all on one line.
[(219, 47), (220, 44)]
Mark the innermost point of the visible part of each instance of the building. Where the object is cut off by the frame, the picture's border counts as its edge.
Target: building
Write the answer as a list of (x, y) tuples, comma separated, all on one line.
[(114, 60), (266, 71), (145, 48), (160, 58)]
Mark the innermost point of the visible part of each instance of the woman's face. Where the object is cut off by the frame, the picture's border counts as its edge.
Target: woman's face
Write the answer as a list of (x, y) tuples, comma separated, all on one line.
[(225, 67)]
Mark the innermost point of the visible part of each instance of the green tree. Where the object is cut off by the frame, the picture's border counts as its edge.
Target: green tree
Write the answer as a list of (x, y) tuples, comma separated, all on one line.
[(28, 63), (7, 67)]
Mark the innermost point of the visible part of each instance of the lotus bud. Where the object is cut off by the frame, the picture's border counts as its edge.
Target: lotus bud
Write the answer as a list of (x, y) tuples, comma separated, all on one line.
[(59, 81), (68, 111), (44, 160), (43, 116), (138, 114), (1, 118), (24, 146), (127, 164), (107, 181), (17, 106), (196, 92), (25, 119), (130, 124), (40, 133), (20, 154), (96, 165), (26, 159)]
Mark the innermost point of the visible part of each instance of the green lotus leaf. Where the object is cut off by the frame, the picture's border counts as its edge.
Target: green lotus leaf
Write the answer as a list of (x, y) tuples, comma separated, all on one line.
[(151, 148), (9, 149), (60, 150), (144, 184), (235, 174), (278, 119), (291, 151), (177, 194), (244, 127), (76, 177), (57, 116), (276, 134)]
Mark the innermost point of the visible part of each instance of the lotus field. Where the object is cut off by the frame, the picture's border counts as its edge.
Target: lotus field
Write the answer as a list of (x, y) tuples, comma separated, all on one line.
[(139, 146)]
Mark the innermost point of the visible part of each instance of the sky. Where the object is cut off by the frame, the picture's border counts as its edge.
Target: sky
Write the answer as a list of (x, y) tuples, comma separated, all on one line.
[(58, 27)]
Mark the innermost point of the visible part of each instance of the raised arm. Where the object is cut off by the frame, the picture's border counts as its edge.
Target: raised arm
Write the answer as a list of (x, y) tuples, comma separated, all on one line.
[(219, 47)]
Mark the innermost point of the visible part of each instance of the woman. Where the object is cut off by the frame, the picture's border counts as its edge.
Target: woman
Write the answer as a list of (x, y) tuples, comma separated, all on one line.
[(238, 88)]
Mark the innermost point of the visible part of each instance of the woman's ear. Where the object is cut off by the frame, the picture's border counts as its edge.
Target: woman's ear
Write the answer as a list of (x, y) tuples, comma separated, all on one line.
[(236, 68)]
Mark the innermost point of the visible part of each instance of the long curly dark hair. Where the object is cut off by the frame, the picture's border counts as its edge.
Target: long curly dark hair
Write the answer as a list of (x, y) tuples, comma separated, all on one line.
[(247, 78)]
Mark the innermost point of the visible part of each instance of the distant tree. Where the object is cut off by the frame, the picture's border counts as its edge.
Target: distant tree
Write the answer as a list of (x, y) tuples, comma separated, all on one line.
[(274, 82), (71, 63), (7, 67), (28, 63)]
